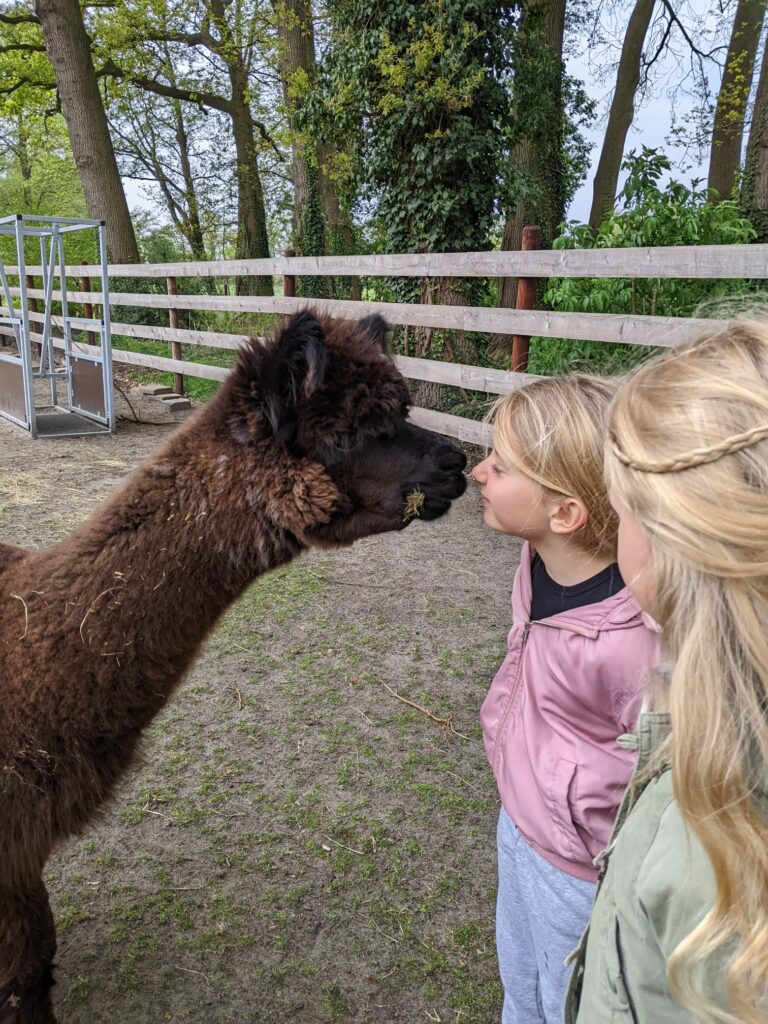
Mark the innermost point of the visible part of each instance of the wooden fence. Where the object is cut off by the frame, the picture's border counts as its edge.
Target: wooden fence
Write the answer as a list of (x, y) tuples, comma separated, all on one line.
[(715, 262)]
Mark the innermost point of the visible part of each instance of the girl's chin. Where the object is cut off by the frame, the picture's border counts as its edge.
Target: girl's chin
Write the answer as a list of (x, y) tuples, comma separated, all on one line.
[(491, 521)]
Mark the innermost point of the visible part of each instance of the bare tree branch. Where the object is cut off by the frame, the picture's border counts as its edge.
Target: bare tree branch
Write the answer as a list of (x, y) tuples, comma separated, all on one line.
[(19, 19)]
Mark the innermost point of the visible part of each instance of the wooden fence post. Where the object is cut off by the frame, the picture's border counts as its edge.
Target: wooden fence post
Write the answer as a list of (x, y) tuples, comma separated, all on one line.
[(173, 320), (526, 298), (85, 285), (289, 280)]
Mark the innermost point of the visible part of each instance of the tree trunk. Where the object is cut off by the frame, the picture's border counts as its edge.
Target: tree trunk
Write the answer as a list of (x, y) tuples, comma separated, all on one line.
[(728, 131), (320, 225), (339, 234), (25, 162), (252, 240), (539, 159), (297, 68), (621, 113), (297, 71), (191, 228), (69, 52), (754, 189)]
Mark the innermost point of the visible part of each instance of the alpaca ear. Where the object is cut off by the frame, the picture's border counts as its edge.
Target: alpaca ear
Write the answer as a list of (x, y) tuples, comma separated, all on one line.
[(293, 371), (375, 328)]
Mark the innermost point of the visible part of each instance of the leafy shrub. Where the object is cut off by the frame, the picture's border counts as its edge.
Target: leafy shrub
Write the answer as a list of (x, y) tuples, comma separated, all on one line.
[(650, 215)]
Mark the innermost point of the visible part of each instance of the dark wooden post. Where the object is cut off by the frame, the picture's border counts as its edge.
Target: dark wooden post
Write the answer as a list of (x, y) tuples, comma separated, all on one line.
[(526, 298), (32, 306), (289, 280), (85, 285), (173, 320), (32, 303)]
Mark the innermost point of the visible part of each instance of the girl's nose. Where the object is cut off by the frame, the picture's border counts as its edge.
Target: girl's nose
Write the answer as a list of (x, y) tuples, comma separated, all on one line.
[(478, 473)]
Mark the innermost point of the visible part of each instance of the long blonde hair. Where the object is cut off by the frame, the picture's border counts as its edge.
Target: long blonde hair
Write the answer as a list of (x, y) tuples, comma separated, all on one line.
[(688, 455), (552, 430)]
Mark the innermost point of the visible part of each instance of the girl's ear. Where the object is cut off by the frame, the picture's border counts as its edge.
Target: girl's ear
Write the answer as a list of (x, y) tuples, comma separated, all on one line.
[(567, 515)]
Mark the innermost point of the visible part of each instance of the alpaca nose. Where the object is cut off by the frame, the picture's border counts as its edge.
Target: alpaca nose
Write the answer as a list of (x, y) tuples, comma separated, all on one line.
[(452, 460)]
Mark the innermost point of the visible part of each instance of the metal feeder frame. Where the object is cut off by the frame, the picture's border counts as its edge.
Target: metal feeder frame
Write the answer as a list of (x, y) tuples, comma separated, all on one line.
[(87, 372)]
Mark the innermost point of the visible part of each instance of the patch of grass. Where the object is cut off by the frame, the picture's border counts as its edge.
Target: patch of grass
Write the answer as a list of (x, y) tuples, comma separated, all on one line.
[(69, 913), (333, 1001), (278, 597)]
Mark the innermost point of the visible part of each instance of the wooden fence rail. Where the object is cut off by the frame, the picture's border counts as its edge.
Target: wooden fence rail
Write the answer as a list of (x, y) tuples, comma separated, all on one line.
[(605, 327), (726, 262), (684, 261)]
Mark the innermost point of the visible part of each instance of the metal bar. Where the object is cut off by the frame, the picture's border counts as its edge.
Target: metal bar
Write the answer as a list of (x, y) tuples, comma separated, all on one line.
[(6, 289), (85, 284), (106, 331), (65, 318), (45, 275), (46, 349), (25, 348), (39, 217)]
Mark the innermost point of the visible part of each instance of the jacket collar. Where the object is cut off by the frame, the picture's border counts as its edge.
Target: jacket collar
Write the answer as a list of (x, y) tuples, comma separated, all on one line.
[(654, 727), (616, 612)]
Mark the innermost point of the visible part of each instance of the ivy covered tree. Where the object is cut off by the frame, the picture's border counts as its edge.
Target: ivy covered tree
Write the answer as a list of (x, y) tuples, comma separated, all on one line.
[(431, 77), (428, 81)]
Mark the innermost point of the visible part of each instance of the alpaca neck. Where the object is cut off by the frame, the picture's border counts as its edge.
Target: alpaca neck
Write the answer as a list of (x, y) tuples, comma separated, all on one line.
[(146, 577)]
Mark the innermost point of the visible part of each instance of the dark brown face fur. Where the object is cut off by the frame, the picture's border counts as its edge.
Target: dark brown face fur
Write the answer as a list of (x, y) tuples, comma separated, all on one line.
[(326, 391)]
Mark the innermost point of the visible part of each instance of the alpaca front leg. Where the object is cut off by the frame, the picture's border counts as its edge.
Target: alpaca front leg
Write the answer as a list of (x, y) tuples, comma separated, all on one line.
[(27, 947)]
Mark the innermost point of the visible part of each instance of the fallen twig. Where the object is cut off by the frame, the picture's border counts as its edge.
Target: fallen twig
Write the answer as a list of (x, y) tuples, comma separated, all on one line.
[(188, 970), (469, 784), (425, 711), (361, 853), (381, 932)]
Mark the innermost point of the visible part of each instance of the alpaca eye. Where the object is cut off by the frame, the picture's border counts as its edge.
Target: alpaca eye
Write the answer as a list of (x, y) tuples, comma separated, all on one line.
[(345, 442)]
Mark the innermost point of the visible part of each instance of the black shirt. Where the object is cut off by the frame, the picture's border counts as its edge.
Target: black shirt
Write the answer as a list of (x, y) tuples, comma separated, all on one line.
[(550, 598)]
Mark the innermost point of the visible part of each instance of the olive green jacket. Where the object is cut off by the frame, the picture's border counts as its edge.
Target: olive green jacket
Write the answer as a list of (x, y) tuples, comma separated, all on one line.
[(658, 884)]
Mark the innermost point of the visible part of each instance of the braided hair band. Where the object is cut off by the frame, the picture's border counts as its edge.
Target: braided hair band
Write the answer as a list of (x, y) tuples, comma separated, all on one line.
[(695, 457)]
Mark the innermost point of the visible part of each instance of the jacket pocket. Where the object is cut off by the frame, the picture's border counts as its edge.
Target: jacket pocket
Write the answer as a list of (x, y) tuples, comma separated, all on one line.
[(563, 793), (622, 1008)]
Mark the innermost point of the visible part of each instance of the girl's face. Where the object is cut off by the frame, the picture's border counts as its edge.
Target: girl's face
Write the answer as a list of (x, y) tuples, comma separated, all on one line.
[(512, 502), (635, 556)]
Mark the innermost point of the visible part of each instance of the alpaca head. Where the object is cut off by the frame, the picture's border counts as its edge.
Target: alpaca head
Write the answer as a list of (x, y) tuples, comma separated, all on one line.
[(326, 394)]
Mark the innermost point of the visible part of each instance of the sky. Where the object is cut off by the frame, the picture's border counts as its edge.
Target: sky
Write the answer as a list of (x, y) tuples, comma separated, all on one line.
[(653, 118)]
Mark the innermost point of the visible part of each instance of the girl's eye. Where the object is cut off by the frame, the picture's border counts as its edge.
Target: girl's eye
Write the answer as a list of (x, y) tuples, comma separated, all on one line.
[(496, 470)]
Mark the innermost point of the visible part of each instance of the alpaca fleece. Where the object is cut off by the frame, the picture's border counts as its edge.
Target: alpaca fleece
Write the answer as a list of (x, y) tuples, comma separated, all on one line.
[(307, 443)]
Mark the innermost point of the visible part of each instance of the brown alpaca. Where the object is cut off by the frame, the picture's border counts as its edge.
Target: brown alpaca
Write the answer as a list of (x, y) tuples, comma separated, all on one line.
[(305, 444)]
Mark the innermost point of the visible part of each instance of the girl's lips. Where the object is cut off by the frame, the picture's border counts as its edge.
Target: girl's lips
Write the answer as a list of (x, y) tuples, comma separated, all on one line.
[(484, 501)]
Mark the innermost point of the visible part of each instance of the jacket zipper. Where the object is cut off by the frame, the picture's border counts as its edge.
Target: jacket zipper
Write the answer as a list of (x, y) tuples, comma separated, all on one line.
[(517, 685), (513, 696)]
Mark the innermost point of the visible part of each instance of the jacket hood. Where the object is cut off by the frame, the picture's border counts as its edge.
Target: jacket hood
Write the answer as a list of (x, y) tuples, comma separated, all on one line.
[(620, 611)]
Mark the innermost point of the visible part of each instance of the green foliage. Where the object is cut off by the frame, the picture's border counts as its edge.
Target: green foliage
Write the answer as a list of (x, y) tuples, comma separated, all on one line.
[(423, 85), (38, 176), (650, 215)]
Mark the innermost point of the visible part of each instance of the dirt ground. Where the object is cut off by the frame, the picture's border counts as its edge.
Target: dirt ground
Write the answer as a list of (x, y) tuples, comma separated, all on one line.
[(299, 844)]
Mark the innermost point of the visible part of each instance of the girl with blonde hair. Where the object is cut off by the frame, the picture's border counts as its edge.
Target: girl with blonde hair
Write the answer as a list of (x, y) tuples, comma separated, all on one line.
[(679, 931), (569, 686)]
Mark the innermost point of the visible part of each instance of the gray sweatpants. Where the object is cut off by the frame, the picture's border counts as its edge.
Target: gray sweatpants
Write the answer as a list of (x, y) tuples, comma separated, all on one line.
[(541, 913)]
